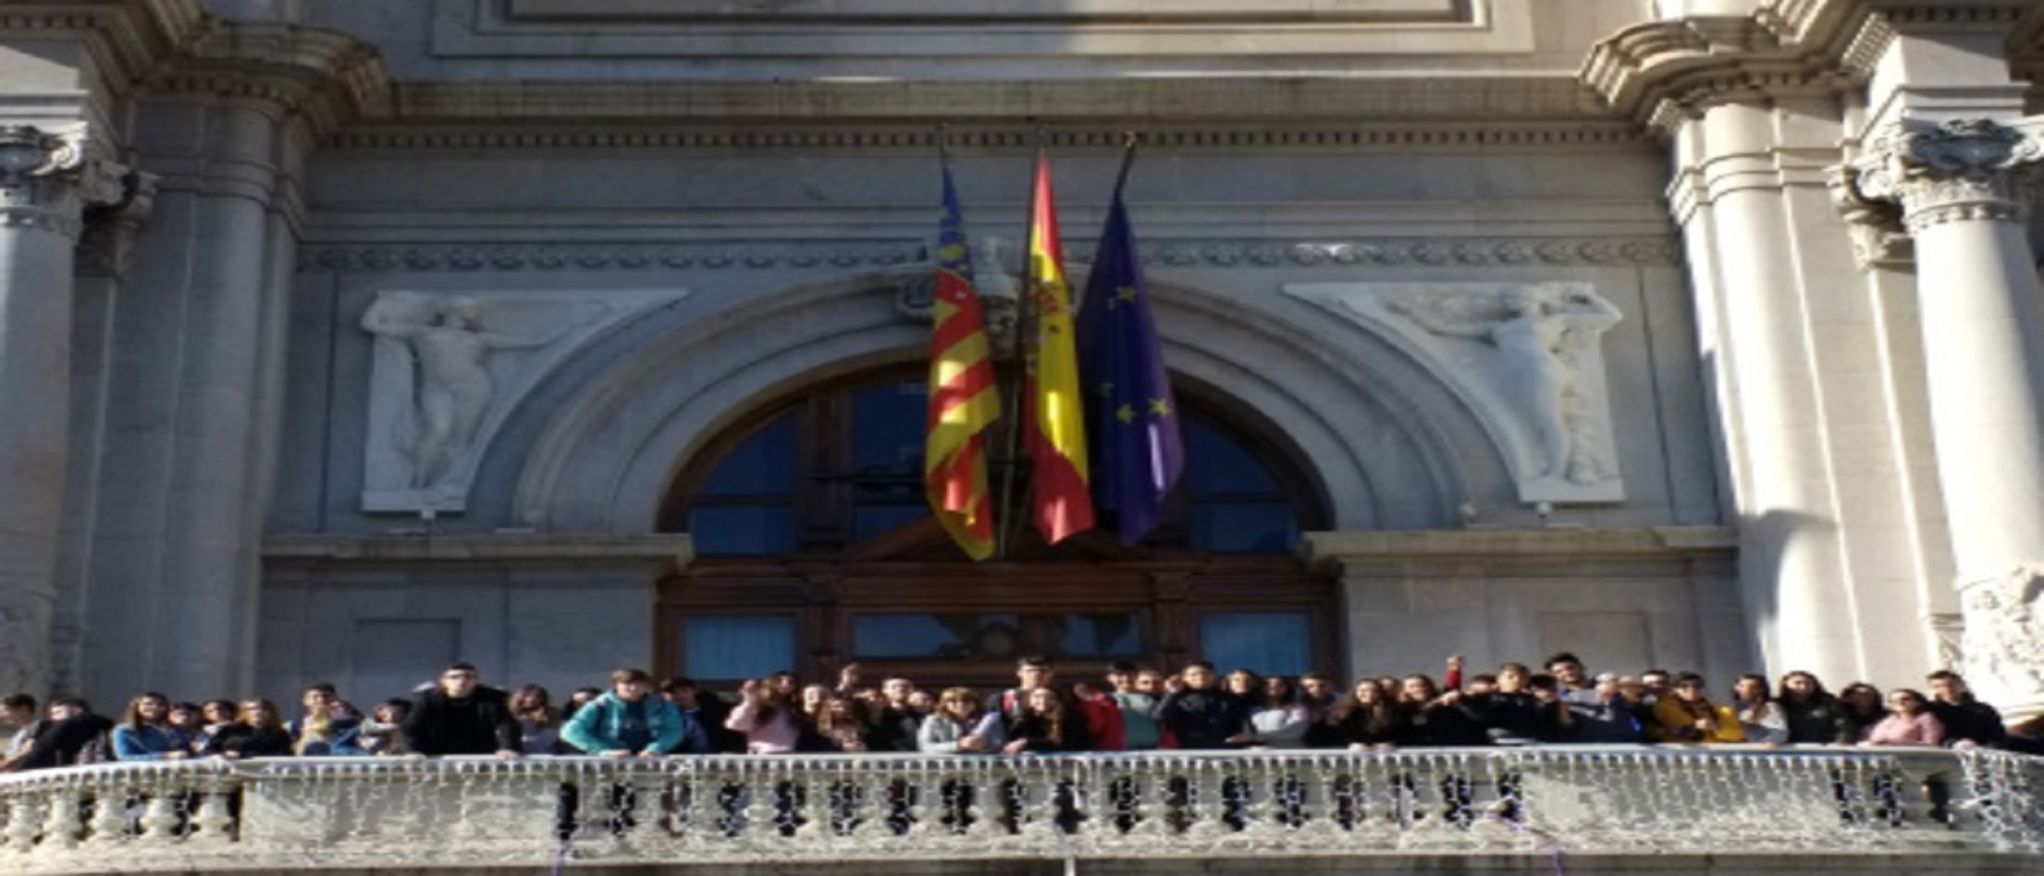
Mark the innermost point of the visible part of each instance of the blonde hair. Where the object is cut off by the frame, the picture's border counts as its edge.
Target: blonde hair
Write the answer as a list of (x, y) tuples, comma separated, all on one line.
[(958, 694)]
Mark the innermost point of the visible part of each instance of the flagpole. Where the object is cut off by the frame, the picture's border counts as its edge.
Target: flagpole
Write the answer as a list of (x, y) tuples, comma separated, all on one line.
[(1025, 318)]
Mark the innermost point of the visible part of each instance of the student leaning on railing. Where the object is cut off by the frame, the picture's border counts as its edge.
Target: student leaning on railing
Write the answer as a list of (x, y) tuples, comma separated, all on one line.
[(1136, 709)]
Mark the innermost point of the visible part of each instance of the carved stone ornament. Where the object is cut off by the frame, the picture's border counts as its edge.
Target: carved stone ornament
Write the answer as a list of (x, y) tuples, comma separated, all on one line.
[(47, 179), (1525, 357), (449, 368), (996, 276), (1963, 169), (2003, 643)]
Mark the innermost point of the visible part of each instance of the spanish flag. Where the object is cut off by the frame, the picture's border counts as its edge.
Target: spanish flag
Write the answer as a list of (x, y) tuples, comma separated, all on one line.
[(963, 397), (1057, 422)]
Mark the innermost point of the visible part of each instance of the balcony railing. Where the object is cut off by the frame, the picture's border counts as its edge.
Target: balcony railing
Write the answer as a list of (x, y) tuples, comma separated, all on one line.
[(470, 813)]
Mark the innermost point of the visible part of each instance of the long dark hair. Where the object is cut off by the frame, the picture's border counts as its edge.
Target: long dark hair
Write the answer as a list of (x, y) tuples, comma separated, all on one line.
[(133, 716), (1817, 691), (1355, 717)]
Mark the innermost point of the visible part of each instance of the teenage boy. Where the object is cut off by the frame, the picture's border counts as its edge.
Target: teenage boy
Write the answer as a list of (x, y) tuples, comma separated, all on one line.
[(1138, 726), (897, 722), (630, 721), (461, 716), (1966, 719), (70, 729), (1575, 683), (1031, 672), (1201, 715)]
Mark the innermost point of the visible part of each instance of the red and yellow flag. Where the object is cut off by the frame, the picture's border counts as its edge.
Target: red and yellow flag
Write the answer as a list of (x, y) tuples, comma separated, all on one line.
[(1057, 421), (964, 399)]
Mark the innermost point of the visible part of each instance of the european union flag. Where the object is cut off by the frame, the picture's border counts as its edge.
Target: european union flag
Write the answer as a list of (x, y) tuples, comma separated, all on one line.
[(1138, 451)]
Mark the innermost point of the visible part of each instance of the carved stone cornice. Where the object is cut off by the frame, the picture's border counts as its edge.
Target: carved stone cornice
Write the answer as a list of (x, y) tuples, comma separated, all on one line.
[(47, 179), (1964, 169), (126, 38), (1404, 252), (1343, 100), (1349, 137), (1661, 73), (326, 75)]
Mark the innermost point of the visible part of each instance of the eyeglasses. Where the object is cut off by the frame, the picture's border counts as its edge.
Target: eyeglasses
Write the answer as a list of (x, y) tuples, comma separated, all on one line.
[(455, 675)]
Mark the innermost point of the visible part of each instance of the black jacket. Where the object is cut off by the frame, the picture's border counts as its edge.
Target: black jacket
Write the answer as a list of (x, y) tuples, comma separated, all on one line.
[(480, 724), (242, 740), (58, 743), (1203, 718), (1972, 720), (1450, 726), (1511, 717), (896, 730), (1819, 720)]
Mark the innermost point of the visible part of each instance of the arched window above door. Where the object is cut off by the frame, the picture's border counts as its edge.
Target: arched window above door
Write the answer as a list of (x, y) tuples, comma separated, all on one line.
[(841, 465)]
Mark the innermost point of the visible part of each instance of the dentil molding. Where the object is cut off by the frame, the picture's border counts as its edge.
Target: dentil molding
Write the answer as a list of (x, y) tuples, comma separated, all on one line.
[(1404, 252)]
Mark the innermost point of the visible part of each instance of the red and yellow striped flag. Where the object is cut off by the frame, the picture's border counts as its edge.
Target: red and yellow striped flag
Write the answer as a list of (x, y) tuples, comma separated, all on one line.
[(964, 399), (1057, 421)]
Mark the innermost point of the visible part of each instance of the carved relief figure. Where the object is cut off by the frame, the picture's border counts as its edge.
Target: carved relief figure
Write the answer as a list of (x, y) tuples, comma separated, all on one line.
[(2004, 636), (452, 386), (1542, 332)]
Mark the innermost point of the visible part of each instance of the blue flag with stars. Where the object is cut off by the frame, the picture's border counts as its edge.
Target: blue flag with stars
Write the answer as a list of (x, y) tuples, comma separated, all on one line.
[(1138, 451)]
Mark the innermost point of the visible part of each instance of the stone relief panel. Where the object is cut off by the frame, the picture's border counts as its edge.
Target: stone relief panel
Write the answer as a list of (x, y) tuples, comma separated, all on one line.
[(448, 368), (2002, 644), (1526, 357)]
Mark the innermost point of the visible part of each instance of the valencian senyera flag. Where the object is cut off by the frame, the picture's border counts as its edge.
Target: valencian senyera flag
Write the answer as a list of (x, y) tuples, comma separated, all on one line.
[(1138, 452), (1056, 423), (964, 398)]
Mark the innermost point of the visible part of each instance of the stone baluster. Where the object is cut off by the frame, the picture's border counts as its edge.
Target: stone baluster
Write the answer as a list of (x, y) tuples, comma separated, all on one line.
[(24, 824), (160, 821), (109, 825), (62, 829), (213, 822), (1965, 188), (46, 181)]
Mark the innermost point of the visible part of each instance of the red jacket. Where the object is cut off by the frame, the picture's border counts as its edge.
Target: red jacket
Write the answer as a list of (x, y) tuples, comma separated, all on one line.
[(1103, 721)]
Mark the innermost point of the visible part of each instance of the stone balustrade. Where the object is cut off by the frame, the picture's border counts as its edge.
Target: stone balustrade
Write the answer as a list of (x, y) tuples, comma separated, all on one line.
[(1572, 803)]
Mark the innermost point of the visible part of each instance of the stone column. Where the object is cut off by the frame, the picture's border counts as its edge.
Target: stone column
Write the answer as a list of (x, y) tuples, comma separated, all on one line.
[(1965, 188), (46, 181)]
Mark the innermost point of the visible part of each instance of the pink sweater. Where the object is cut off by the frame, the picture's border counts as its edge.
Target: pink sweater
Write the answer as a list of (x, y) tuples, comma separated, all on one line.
[(776, 735), (1899, 729)]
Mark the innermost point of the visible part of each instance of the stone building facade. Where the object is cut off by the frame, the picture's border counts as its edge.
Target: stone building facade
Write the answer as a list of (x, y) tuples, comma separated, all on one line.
[(340, 339)]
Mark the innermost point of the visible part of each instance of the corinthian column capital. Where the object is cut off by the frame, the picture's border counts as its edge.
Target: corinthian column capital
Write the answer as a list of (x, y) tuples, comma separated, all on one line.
[(1964, 169), (47, 179)]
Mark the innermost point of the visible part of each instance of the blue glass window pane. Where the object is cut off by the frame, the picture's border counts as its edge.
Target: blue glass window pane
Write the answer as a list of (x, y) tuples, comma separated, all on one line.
[(888, 426), (872, 521), (997, 635), (742, 529), (1266, 643), (763, 466), (1094, 635), (738, 646), (1215, 462), (1263, 527)]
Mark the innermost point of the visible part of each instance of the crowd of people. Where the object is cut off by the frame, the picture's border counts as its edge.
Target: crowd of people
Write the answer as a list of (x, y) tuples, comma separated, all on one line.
[(1130, 709)]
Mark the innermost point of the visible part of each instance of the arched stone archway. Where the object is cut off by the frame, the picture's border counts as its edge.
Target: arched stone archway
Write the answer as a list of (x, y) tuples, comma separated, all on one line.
[(1390, 446)]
